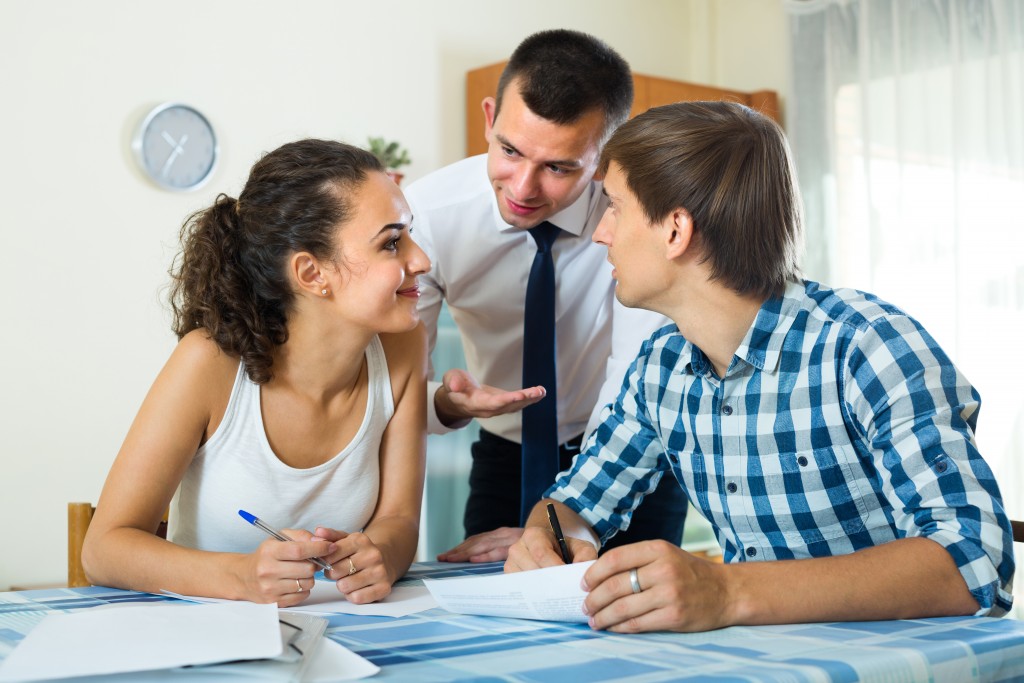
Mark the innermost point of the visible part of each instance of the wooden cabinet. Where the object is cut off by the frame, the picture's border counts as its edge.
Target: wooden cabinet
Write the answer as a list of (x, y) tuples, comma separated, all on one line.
[(649, 91)]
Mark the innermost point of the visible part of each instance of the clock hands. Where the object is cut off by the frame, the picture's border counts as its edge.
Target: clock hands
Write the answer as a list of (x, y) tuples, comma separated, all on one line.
[(179, 148)]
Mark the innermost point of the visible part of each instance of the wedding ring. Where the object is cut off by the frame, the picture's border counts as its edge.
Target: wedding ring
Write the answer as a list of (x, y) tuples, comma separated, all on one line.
[(298, 586), (351, 567), (634, 581)]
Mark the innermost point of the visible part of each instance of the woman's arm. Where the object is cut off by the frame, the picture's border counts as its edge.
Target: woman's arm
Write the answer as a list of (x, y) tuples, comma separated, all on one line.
[(382, 553), (182, 410)]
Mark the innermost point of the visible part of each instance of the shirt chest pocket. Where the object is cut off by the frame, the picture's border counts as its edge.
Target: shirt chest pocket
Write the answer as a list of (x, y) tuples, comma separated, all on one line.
[(817, 495)]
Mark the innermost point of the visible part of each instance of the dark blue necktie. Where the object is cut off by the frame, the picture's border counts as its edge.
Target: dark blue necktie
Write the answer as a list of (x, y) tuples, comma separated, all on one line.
[(540, 420)]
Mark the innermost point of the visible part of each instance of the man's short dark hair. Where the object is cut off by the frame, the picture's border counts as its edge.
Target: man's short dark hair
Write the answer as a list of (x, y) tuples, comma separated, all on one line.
[(563, 74), (730, 168)]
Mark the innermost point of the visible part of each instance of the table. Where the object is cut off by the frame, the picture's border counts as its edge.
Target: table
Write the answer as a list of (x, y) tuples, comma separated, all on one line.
[(438, 646)]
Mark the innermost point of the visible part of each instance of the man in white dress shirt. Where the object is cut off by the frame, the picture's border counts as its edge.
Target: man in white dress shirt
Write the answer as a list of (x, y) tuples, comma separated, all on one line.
[(559, 99)]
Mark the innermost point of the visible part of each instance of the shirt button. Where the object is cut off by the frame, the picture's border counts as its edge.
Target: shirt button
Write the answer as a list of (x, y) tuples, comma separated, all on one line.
[(941, 466), (727, 409), (802, 460), (751, 552), (731, 487)]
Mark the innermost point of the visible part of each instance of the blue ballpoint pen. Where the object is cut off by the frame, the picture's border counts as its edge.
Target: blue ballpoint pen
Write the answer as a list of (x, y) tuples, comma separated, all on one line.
[(260, 524)]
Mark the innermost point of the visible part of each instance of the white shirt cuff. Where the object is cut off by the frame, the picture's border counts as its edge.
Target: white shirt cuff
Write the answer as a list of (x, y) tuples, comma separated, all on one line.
[(434, 424)]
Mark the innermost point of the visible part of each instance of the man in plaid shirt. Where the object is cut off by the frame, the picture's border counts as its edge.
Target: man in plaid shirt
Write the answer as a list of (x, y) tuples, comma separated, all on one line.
[(823, 433)]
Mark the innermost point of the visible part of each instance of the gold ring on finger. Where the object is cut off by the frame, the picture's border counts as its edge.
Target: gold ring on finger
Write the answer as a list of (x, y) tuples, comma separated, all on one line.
[(351, 567)]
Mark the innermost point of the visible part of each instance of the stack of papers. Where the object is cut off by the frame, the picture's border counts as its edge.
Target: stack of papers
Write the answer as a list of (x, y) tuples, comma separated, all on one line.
[(140, 642)]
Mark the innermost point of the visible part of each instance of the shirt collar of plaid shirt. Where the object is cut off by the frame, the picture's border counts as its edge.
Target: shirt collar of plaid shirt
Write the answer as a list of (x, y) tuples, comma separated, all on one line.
[(762, 345)]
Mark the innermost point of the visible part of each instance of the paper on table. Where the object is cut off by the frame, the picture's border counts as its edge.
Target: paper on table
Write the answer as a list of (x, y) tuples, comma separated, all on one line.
[(550, 594), (334, 662), (329, 661), (402, 600), (110, 641), (325, 599), (303, 634)]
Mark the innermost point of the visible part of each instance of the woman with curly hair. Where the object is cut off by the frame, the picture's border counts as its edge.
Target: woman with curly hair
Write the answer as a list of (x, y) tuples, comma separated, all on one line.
[(296, 391)]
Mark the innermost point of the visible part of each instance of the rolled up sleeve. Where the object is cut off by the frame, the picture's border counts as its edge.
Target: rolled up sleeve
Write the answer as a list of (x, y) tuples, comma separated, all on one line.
[(620, 462), (918, 413)]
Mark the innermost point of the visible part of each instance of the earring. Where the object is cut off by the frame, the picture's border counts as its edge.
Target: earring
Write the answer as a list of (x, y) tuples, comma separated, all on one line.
[(324, 292)]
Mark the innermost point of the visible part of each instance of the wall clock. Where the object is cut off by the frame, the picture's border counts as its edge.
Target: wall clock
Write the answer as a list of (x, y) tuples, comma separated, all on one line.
[(176, 147)]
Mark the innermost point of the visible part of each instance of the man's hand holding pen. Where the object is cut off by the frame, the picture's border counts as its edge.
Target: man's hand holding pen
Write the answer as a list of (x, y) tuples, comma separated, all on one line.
[(538, 548), (646, 586), (539, 545)]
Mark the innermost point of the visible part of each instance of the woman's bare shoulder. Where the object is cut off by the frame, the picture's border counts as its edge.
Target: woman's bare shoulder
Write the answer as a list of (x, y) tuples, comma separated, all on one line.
[(198, 358), (406, 351)]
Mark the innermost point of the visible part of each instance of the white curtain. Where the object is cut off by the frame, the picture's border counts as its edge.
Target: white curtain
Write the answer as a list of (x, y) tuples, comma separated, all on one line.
[(907, 125)]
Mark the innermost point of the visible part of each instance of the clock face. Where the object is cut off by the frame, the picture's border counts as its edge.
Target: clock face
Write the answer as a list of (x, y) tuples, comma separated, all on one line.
[(176, 147)]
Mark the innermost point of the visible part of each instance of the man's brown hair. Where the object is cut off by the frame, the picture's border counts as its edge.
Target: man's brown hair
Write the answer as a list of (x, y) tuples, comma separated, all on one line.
[(729, 167)]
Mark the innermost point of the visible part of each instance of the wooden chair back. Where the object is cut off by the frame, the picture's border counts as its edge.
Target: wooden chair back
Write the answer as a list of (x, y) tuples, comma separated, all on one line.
[(1018, 531), (79, 517)]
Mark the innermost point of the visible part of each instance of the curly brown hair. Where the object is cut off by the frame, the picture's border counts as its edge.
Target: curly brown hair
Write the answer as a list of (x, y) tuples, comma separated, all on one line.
[(229, 277)]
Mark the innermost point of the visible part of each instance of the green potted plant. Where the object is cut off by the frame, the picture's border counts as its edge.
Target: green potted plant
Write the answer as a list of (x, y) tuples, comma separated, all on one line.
[(391, 154)]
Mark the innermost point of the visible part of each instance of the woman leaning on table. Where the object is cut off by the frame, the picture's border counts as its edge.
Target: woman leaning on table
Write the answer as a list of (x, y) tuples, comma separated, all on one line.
[(295, 392)]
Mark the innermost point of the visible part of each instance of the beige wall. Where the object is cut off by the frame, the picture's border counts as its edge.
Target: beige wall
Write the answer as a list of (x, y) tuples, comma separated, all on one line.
[(739, 44), (85, 241)]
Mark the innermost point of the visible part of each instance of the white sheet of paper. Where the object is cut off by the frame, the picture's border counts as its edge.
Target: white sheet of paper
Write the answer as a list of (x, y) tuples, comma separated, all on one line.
[(329, 661), (334, 662), (325, 599), (403, 600), (549, 594), (110, 641)]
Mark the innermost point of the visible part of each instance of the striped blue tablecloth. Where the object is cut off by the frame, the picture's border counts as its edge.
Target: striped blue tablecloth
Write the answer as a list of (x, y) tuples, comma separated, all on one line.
[(438, 646)]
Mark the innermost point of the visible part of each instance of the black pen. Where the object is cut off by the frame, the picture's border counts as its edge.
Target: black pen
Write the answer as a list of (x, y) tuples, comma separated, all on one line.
[(556, 529)]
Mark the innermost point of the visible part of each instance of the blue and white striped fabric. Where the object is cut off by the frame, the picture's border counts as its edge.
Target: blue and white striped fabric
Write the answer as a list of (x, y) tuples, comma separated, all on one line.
[(839, 425)]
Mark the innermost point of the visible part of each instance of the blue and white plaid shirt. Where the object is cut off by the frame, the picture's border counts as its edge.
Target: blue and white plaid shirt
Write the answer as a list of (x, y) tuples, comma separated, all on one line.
[(840, 425)]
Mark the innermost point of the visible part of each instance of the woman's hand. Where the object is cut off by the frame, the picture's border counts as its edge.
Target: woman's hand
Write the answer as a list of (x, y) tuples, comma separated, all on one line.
[(358, 566), (280, 571)]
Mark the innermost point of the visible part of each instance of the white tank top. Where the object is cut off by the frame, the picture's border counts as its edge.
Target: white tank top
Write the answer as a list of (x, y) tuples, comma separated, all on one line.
[(237, 470)]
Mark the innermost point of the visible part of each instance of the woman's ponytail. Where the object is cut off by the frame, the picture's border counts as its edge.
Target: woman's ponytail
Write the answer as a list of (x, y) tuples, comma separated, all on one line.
[(212, 290)]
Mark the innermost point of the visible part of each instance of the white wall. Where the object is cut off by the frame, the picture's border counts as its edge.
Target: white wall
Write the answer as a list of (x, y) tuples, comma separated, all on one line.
[(740, 44), (85, 241)]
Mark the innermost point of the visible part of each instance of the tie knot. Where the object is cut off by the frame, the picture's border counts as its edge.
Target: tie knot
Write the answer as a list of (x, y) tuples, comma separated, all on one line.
[(545, 235)]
